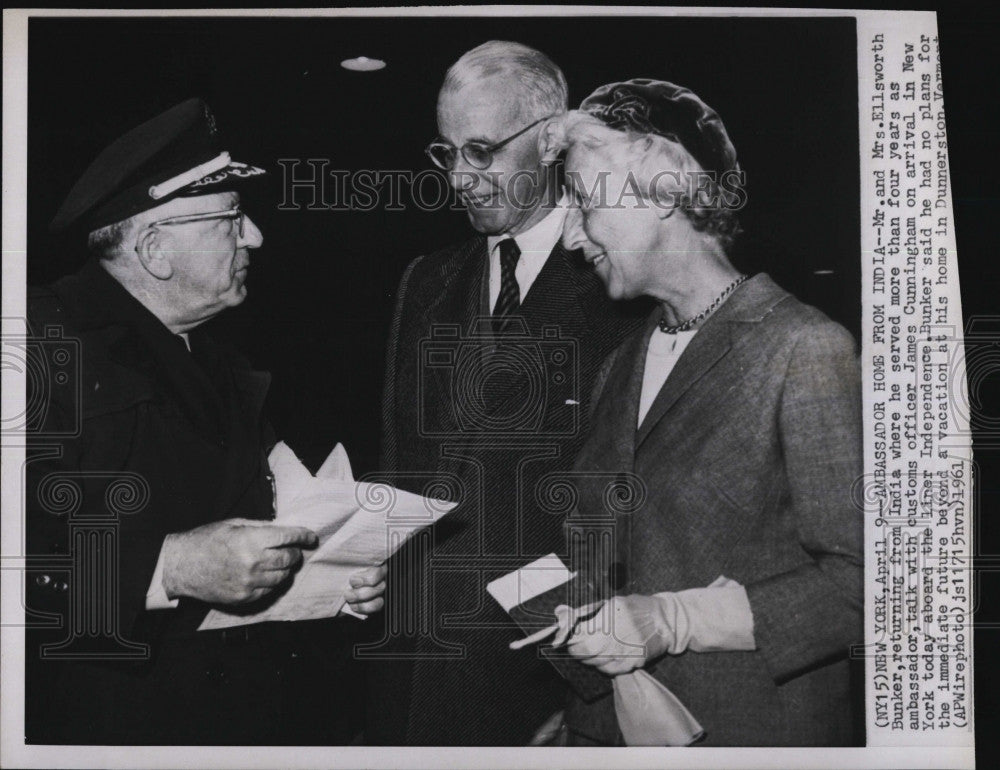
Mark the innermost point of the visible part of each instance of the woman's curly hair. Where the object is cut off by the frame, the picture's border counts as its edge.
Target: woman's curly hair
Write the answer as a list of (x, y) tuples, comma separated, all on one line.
[(666, 173)]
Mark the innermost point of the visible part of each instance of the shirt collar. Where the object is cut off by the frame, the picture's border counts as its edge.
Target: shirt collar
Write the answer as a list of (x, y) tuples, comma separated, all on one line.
[(541, 237)]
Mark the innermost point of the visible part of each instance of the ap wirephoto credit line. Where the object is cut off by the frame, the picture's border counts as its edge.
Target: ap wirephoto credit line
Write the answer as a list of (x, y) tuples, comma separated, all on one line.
[(920, 551)]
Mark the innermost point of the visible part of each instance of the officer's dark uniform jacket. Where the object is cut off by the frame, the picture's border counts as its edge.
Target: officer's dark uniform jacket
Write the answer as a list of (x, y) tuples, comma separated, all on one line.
[(135, 438)]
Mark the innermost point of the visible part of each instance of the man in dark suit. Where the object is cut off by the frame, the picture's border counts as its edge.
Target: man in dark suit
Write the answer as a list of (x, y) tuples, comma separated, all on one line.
[(148, 483), (494, 346)]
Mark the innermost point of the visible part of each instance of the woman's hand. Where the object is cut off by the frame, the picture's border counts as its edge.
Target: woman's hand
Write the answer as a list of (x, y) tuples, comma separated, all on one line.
[(629, 631), (625, 634)]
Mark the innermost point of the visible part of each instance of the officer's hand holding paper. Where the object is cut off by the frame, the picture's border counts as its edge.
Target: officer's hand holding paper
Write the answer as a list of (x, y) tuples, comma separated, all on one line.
[(352, 521)]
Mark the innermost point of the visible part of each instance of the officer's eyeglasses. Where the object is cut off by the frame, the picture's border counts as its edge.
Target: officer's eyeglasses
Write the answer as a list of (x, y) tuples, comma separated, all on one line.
[(235, 213), (477, 154)]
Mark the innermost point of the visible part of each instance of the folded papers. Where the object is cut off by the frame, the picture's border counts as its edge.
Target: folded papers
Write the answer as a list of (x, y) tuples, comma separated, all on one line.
[(358, 524)]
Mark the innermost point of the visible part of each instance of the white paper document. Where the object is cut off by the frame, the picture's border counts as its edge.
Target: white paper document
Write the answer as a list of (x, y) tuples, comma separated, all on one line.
[(359, 525), (529, 581)]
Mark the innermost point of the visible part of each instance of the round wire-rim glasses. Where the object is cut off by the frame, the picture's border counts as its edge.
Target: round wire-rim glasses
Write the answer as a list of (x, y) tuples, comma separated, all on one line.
[(479, 155)]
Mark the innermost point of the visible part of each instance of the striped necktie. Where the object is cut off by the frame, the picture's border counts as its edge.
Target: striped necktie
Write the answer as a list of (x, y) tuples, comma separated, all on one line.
[(510, 296)]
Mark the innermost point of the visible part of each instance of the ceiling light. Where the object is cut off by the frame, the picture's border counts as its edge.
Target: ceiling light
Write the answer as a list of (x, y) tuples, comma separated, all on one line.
[(362, 64)]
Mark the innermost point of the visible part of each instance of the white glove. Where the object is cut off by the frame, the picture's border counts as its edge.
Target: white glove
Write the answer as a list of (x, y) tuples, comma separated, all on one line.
[(629, 631)]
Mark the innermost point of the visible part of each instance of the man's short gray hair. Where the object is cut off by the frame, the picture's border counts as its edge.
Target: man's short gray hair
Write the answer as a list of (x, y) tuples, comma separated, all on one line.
[(106, 242), (543, 83)]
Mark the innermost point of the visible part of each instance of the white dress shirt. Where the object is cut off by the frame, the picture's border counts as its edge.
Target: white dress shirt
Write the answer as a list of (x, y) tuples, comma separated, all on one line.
[(662, 354), (535, 244)]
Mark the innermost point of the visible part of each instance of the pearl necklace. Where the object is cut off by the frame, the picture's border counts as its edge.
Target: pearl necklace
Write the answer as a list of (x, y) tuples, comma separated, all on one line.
[(685, 325)]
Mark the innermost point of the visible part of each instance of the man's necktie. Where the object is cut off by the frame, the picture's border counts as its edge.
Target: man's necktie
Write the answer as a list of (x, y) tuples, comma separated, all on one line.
[(510, 296)]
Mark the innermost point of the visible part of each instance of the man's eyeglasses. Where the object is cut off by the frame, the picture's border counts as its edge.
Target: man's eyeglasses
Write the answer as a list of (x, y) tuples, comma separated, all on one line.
[(477, 154), (235, 213)]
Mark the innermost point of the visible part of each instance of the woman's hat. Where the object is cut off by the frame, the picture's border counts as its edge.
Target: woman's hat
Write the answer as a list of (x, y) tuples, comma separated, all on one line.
[(670, 111)]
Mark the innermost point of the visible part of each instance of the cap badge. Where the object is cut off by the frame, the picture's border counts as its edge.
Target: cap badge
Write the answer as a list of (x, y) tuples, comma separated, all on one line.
[(235, 168)]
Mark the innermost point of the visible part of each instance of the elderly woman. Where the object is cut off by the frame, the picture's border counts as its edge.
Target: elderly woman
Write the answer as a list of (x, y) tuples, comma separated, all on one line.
[(737, 571)]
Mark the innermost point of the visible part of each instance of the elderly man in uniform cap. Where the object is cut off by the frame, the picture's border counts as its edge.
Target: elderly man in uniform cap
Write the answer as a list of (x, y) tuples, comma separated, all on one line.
[(161, 445)]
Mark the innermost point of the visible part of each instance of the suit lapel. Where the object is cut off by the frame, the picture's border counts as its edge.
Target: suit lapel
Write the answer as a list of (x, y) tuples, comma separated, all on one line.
[(748, 304), (707, 347), (622, 413), (455, 304), (460, 281)]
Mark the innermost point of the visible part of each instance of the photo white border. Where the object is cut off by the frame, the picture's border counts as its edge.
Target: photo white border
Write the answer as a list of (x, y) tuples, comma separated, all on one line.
[(12, 751)]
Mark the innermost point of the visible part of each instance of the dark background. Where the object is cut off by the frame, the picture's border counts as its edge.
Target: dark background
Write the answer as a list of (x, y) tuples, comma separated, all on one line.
[(968, 37), (321, 288)]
